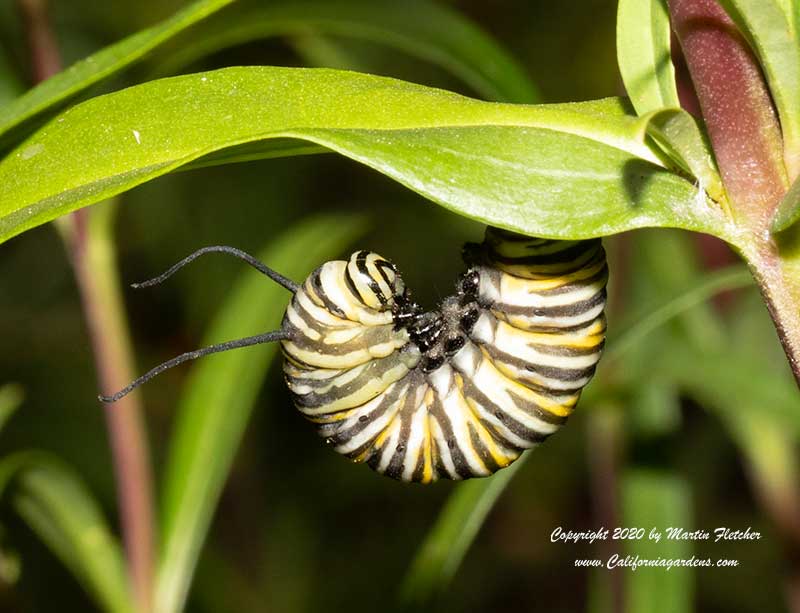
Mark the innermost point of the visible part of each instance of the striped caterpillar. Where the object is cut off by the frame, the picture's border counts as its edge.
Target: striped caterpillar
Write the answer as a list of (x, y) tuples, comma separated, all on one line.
[(457, 392)]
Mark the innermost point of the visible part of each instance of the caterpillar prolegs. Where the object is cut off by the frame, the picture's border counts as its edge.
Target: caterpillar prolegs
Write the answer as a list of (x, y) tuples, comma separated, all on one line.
[(457, 392)]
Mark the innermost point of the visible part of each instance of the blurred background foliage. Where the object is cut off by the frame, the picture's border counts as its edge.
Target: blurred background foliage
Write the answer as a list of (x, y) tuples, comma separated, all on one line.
[(692, 420)]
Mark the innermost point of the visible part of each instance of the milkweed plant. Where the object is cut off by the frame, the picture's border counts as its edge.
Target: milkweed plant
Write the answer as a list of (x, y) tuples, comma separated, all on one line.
[(705, 140)]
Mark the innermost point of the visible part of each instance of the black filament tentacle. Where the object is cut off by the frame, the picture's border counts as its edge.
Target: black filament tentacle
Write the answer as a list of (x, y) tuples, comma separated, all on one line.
[(265, 270), (258, 339)]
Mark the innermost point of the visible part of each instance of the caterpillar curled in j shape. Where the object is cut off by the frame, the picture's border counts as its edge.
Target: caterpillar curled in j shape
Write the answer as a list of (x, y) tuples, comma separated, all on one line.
[(457, 392)]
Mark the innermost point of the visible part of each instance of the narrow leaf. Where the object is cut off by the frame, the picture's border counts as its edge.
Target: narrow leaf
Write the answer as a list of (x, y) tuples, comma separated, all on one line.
[(698, 292), (788, 210), (681, 138), (328, 51), (728, 380), (563, 171), (770, 451), (660, 500), (769, 32), (220, 396), (767, 440), (643, 54), (102, 64), (52, 499), (421, 28), (447, 542), (745, 378)]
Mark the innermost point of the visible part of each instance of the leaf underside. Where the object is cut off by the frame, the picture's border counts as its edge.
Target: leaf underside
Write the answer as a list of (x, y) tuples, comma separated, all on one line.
[(562, 171)]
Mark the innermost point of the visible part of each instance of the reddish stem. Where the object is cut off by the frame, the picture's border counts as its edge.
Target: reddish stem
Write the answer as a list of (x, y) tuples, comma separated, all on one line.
[(736, 107), (42, 44), (92, 259)]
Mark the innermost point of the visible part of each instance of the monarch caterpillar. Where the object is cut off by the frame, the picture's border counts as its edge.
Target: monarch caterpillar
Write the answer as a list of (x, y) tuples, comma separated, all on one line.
[(457, 392)]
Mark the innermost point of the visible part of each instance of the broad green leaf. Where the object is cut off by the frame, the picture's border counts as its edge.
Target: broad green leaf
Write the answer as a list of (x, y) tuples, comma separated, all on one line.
[(788, 212), (657, 499), (447, 542), (764, 24), (643, 54), (10, 398), (102, 64), (55, 503), (220, 396), (561, 171), (420, 28), (681, 138)]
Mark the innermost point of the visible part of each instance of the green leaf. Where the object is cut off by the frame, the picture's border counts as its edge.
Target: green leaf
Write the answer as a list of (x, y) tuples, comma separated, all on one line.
[(681, 138), (326, 51), (54, 502), (788, 210), (421, 28), (657, 499), (447, 542), (102, 64), (11, 396), (220, 395), (561, 171), (764, 24), (643, 54), (791, 10)]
